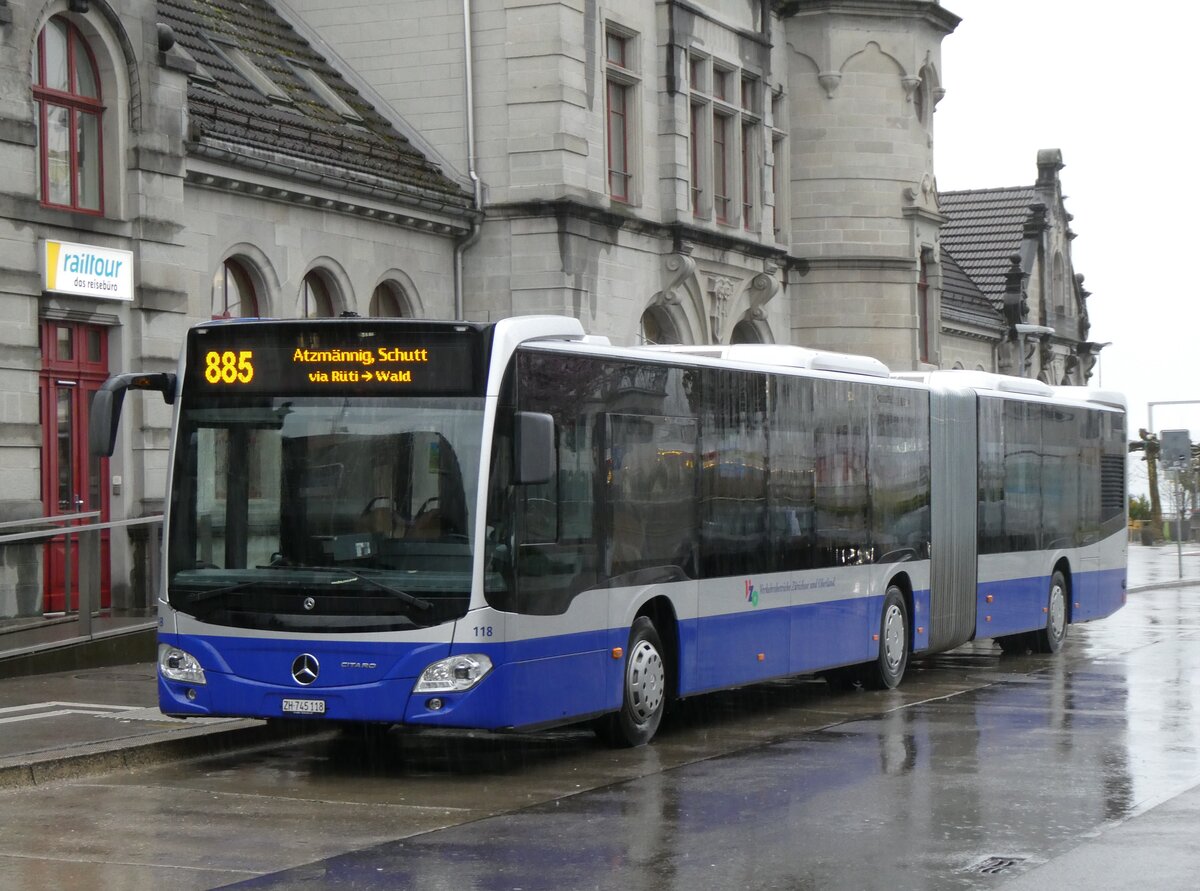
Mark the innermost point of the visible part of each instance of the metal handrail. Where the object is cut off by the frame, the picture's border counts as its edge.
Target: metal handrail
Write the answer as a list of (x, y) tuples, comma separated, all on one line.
[(89, 554), (54, 533), (41, 521)]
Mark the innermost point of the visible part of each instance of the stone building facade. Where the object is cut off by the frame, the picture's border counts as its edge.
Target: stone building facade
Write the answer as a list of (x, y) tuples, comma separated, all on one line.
[(679, 171), (690, 171), (1014, 245), (210, 150)]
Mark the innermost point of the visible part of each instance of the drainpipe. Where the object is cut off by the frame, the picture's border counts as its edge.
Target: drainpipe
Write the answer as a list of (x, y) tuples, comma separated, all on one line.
[(472, 236)]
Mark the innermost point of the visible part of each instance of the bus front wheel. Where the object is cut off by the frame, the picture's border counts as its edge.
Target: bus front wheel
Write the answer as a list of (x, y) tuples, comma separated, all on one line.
[(1050, 639), (887, 670), (644, 690)]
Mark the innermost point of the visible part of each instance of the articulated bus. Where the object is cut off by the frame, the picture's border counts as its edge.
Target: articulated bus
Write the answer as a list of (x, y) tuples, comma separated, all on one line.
[(516, 525)]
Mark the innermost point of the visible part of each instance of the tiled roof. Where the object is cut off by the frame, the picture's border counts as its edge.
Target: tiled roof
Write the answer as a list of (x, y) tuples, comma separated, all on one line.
[(299, 127), (962, 300), (984, 231)]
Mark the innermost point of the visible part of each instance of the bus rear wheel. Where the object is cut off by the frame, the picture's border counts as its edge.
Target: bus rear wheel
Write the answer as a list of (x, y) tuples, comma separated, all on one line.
[(1050, 639), (886, 672), (644, 689)]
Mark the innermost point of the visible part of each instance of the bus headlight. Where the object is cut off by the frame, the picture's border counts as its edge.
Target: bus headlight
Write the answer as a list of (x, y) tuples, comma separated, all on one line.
[(178, 665), (454, 675)]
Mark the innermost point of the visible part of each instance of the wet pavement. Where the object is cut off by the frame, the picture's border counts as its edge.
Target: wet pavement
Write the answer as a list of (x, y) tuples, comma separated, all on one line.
[(979, 772), (1082, 773)]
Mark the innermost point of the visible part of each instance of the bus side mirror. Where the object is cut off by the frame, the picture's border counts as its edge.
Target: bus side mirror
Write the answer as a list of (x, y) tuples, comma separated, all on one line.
[(534, 448), (106, 406)]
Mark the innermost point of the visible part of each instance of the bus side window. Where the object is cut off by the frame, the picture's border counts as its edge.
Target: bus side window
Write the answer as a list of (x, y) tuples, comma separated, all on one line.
[(651, 486), (561, 508)]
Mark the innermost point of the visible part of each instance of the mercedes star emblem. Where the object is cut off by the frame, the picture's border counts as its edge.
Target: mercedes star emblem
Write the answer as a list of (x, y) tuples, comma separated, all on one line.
[(310, 603), (305, 669)]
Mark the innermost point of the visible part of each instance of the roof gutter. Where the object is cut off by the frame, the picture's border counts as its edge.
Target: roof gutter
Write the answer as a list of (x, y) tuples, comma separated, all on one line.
[(477, 187)]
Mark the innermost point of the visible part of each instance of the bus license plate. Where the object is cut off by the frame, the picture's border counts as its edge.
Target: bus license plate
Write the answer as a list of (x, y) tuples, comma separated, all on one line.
[(304, 706)]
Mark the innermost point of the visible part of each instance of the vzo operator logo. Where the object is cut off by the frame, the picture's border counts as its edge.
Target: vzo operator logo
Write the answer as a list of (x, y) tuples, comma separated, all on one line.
[(751, 593)]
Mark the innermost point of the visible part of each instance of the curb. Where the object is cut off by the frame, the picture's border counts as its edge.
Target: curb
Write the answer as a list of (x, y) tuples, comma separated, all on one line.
[(24, 771), (117, 646), (1159, 586)]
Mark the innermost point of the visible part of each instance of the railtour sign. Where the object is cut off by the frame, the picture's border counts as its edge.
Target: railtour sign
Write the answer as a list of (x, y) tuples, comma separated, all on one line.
[(87, 270)]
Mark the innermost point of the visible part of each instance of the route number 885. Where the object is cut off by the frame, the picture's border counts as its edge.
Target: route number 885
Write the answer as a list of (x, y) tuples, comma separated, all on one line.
[(229, 367)]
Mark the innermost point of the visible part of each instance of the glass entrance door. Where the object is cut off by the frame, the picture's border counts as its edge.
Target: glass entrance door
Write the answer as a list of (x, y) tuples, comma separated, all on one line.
[(74, 365)]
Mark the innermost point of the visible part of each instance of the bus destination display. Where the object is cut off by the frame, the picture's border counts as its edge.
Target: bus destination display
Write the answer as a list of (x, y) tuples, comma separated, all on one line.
[(259, 359)]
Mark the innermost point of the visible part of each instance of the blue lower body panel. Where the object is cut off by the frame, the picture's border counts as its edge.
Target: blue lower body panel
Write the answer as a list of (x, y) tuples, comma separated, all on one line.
[(543, 681), (1014, 606), (250, 677), (742, 648)]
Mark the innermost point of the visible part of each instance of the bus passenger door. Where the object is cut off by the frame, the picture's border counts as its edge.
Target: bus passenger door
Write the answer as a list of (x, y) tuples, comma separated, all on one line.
[(744, 631), (558, 639), (1085, 584), (649, 515)]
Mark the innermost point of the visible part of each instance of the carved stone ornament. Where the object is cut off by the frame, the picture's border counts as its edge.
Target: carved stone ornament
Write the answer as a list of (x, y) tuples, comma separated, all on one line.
[(677, 268), (911, 83), (829, 81), (925, 189), (1089, 366), (762, 290), (721, 290)]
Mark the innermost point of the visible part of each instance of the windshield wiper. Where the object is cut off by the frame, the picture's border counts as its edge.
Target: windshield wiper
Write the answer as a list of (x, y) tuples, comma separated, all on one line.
[(201, 596), (404, 596)]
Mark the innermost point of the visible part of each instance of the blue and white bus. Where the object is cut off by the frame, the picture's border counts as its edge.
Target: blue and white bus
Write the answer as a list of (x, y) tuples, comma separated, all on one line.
[(515, 525)]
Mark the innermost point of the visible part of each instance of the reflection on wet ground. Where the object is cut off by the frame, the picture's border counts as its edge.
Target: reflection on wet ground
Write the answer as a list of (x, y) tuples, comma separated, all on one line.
[(978, 762)]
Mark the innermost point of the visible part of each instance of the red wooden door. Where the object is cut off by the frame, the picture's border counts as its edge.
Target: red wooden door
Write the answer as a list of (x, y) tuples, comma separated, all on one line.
[(74, 365)]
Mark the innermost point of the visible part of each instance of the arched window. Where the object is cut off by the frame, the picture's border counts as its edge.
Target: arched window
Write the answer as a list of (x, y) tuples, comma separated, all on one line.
[(316, 300), (234, 294), (658, 328), (66, 94), (389, 301), (745, 331)]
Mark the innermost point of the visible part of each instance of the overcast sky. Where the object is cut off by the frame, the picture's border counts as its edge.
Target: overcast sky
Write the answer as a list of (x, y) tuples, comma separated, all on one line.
[(1114, 87)]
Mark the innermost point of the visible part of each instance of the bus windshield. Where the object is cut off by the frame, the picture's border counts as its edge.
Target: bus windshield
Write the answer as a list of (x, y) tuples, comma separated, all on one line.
[(324, 514)]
